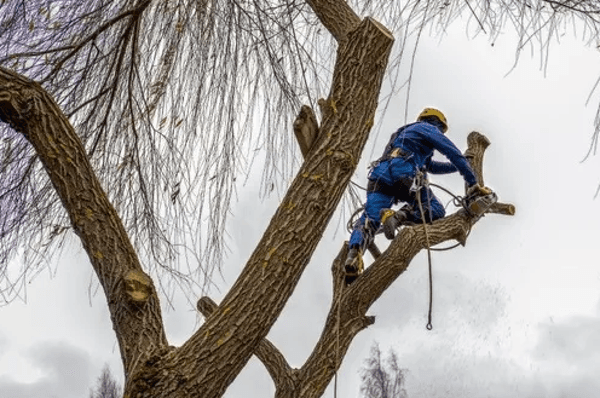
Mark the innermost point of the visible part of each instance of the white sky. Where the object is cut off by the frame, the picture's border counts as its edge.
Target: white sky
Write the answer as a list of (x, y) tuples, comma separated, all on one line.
[(516, 312)]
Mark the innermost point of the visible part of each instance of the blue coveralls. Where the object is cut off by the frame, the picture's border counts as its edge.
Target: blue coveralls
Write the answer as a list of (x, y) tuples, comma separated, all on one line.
[(391, 178)]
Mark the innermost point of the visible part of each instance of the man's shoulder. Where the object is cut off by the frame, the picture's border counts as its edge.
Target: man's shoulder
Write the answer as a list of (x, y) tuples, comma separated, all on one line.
[(423, 128)]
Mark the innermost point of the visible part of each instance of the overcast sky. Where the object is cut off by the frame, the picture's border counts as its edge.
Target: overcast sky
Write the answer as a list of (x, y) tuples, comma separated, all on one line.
[(516, 311)]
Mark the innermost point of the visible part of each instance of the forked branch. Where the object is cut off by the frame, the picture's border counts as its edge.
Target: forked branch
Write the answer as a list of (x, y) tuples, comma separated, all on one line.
[(276, 364)]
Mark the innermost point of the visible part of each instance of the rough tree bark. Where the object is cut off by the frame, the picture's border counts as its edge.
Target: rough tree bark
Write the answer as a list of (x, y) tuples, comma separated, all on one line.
[(348, 312), (133, 302), (236, 329), (210, 360)]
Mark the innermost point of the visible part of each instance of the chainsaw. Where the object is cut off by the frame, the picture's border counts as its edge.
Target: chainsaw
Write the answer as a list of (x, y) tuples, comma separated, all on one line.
[(477, 205)]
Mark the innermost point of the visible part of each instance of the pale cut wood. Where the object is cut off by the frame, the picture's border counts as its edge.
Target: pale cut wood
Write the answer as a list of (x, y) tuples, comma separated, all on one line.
[(306, 129)]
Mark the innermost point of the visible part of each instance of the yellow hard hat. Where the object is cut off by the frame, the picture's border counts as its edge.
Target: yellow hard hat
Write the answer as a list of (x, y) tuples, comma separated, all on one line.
[(434, 112)]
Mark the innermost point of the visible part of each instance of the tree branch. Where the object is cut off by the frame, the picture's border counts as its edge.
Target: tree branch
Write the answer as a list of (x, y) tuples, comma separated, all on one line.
[(277, 366), (215, 355), (337, 17), (477, 144), (131, 296), (347, 315)]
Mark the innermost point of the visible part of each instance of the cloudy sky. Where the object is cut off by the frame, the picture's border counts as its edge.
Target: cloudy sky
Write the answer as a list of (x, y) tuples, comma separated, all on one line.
[(516, 311)]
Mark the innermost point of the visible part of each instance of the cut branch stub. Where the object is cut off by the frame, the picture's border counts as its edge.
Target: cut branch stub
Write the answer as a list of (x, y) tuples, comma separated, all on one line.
[(306, 129), (138, 286), (477, 143), (503, 208)]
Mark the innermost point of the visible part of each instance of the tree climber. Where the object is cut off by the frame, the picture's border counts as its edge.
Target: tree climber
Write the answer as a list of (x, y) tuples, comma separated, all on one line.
[(395, 178)]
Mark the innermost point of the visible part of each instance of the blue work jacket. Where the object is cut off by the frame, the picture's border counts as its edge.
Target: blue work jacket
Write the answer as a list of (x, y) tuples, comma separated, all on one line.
[(417, 142)]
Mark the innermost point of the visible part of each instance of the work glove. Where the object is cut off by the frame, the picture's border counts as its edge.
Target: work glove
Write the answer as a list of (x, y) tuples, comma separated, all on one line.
[(478, 190)]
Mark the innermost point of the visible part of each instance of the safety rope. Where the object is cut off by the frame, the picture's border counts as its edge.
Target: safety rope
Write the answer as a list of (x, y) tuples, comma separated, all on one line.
[(458, 201), (353, 218), (421, 182), (337, 341), (358, 186)]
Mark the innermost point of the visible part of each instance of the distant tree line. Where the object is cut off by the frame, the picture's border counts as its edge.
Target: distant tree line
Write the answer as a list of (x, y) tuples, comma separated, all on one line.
[(106, 386), (382, 378)]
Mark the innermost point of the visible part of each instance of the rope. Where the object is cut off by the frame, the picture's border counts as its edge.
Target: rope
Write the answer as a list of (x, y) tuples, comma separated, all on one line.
[(353, 217), (420, 184), (458, 201), (358, 186), (337, 341)]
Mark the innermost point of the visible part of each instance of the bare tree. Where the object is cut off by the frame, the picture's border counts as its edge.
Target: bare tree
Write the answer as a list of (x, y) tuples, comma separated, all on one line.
[(127, 122), (382, 378), (106, 386)]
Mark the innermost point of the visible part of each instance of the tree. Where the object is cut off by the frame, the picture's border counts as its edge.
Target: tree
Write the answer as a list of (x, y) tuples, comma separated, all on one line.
[(382, 379), (106, 386), (158, 102)]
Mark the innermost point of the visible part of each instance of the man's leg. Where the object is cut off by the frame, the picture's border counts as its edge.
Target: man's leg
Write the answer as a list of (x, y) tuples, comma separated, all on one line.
[(364, 232), (432, 207), (391, 219)]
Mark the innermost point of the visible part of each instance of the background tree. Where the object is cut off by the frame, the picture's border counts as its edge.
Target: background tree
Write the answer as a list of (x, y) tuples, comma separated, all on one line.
[(382, 378), (106, 386), (169, 101)]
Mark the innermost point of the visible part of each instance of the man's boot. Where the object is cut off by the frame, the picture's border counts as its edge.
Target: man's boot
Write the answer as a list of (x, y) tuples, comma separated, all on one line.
[(354, 265), (391, 220)]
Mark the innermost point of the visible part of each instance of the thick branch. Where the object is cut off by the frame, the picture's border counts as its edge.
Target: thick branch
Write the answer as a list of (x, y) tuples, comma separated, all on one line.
[(223, 345), (477, 144), (276, 364), (347, 315), (132, 299), (337, 17)]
